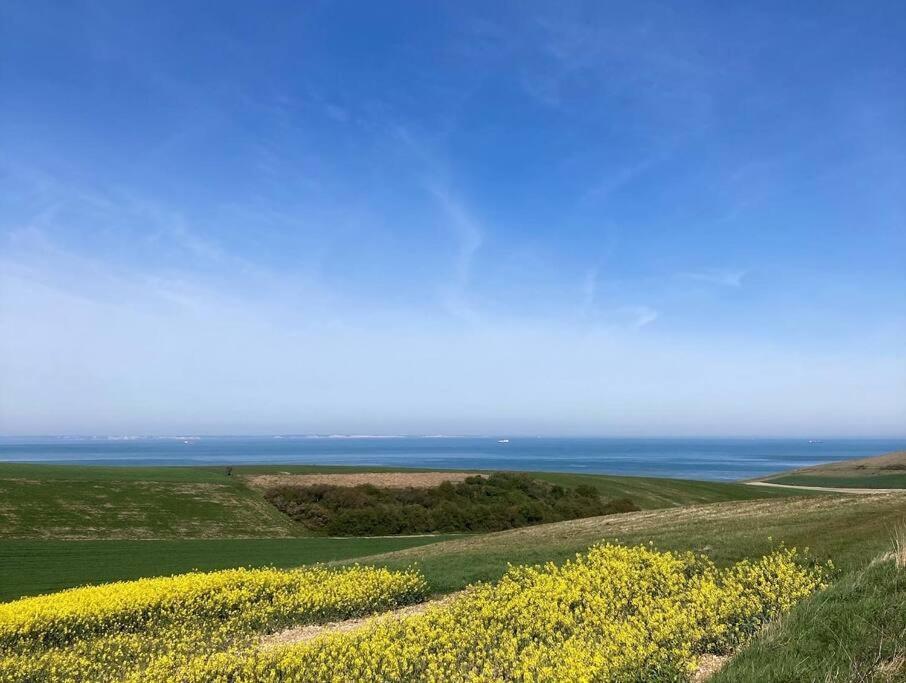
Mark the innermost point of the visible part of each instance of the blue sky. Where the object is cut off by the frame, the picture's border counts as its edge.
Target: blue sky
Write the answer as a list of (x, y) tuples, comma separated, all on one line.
[(555, 218)]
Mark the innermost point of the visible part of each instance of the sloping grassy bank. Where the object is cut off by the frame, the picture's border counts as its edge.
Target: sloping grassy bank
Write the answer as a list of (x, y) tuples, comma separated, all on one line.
[(846, 529), (887, 471), (63, 525), (853, 631), (81, 503), (88, 502)]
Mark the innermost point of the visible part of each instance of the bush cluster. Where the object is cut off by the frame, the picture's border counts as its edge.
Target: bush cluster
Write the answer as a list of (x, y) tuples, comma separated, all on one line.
[(493, 503)]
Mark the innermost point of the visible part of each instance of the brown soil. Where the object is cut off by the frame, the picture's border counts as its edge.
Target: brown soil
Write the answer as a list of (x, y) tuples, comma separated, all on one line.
[(390, 480)]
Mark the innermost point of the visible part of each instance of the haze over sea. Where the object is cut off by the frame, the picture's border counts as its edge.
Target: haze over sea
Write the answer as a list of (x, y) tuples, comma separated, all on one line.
[(707, 459)]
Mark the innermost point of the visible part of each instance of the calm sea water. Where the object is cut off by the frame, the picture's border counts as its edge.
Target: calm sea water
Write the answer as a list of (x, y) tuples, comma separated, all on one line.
[(712, 459)]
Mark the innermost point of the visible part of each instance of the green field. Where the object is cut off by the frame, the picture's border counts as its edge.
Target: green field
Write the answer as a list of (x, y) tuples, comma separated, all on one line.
[(850, 530), (869, 481), (104, 503), (62, 526), (653, 493), (886, 471), (33, 567)]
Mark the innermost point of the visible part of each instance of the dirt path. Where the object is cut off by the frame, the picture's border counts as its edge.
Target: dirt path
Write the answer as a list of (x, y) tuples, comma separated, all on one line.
[(830, 489), (707, 667), (300, 634)]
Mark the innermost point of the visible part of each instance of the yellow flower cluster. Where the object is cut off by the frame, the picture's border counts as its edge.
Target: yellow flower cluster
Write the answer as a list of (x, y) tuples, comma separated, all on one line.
[(103, 632), (613, 614)]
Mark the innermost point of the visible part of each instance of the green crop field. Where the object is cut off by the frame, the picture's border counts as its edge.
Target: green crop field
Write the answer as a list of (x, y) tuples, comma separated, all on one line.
[(33, 567)]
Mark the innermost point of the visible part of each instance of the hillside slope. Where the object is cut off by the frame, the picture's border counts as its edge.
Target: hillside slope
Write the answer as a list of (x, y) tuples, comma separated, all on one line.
[(67, 502), (887, 471), (850, 530)]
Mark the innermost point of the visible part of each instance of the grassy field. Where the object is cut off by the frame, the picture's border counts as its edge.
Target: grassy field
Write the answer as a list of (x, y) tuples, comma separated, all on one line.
[(63, 526), (848, 529), (33, 567), (654, 493), (886, 471), (870, 481), (853, 628), (111, 509), (83, 503)]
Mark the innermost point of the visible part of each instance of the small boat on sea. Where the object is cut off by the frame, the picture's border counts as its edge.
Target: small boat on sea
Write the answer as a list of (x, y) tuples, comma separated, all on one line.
[(503, 440)]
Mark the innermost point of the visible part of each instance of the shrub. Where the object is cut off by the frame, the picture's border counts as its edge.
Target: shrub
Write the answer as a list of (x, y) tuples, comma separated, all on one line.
[(499, 501)]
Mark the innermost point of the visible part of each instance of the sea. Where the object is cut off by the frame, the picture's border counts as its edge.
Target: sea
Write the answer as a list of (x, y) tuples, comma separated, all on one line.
[(713, 459)]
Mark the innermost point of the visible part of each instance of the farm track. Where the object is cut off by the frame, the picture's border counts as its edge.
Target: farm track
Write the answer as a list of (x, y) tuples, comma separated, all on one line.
[(708, 666), (301, 634), (828, 489)]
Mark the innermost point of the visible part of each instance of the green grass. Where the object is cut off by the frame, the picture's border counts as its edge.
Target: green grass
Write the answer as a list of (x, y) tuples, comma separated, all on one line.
[(850, 530), (866, 481), (653, 493), (83, 507), (33, 567), (16, 470), (887, 471), (853, 631)]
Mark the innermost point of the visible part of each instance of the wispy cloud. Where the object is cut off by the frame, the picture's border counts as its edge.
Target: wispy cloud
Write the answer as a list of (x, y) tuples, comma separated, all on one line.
[(725, 277), (469, 237), (639, 316)]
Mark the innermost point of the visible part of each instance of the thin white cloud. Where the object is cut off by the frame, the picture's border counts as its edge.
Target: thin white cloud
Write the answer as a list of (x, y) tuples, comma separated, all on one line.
[(640, 316), (469, 237), (725, 277)]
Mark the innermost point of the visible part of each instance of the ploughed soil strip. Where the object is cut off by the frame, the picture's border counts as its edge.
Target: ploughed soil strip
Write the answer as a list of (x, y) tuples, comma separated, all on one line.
[(389, 480)]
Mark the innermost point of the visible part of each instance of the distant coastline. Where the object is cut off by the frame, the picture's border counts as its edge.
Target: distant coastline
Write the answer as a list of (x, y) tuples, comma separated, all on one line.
[(712, 459)]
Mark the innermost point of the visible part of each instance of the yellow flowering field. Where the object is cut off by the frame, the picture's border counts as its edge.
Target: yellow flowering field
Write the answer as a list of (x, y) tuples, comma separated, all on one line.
[(612, 614), (103, 632)]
